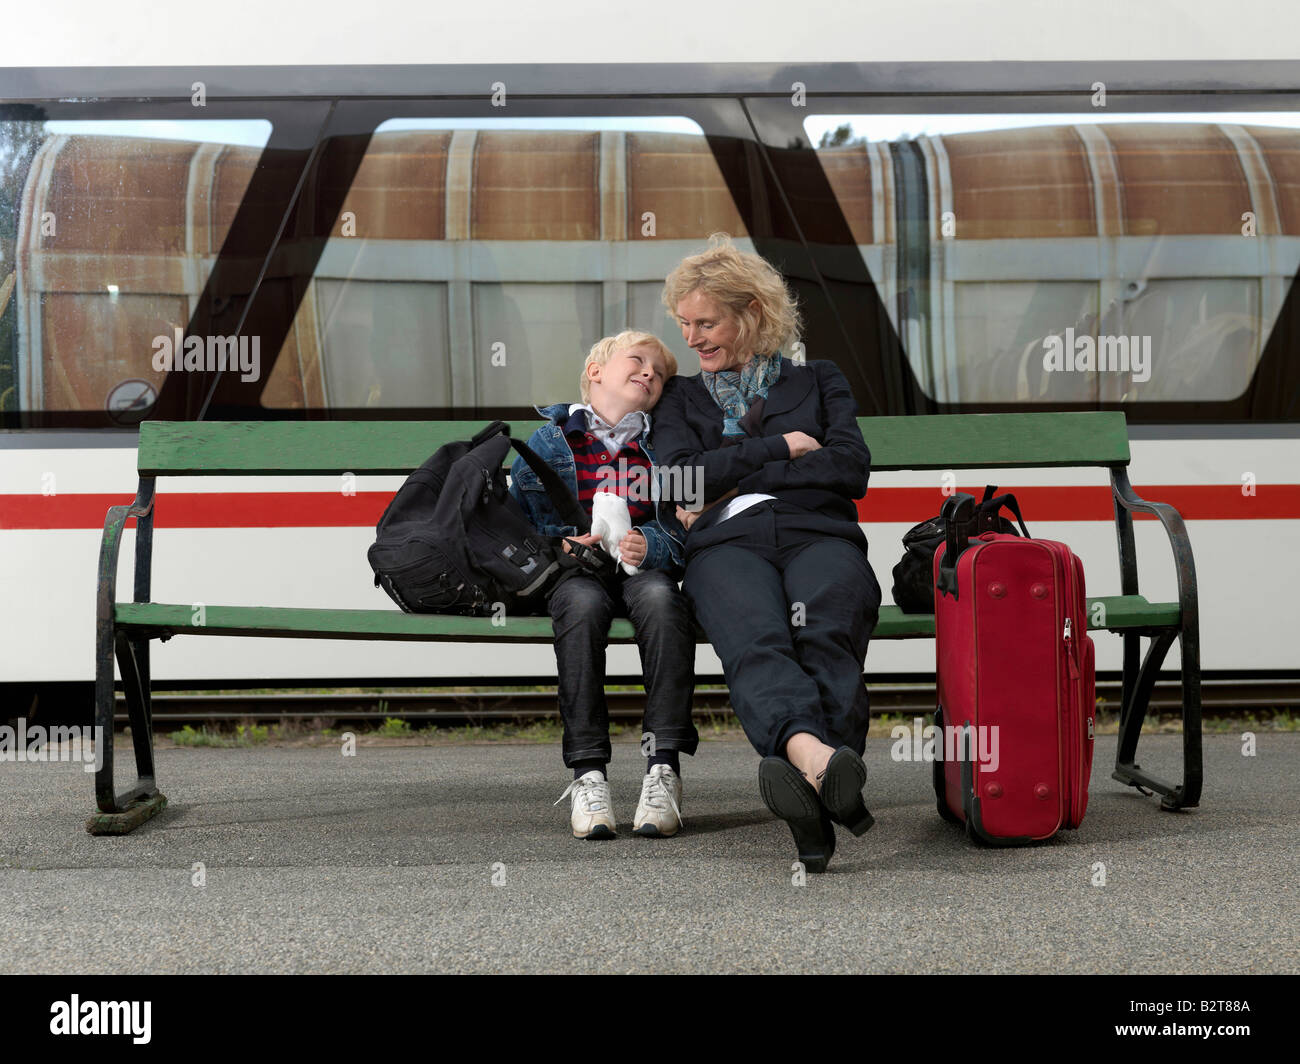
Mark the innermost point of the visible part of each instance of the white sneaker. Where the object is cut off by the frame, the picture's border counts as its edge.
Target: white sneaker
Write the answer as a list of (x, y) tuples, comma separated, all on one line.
[(590, 812), (659, 812)]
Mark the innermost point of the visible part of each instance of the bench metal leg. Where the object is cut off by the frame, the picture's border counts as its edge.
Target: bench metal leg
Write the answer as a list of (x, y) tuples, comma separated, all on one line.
[(1188, 796), (1137, 700), (1132, 663), (136, 654), (121, 813)]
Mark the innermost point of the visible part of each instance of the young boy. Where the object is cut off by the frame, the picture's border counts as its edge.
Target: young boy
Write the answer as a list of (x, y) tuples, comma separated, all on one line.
[(599, 444)]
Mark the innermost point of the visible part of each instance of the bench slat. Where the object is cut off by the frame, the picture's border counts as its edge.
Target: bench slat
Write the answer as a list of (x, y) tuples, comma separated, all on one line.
[(1121, 612), (1014, 441), (948, 441), (263, 448)]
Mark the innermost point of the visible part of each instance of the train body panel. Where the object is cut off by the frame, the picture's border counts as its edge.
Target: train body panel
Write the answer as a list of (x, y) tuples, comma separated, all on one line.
[(51, 566)]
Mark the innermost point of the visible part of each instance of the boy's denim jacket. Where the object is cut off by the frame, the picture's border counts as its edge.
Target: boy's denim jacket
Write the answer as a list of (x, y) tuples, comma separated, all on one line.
[(664, 536)]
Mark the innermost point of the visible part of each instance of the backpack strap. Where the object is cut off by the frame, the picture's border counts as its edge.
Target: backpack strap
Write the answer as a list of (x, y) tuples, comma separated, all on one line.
[(989, 507), (569, 508), (487, 432)]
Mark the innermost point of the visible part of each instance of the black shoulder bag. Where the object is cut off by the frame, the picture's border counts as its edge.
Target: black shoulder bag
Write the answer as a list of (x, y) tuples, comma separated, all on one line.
[(914, 574)]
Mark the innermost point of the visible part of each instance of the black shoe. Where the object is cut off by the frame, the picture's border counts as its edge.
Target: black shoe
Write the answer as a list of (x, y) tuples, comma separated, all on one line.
[(794, 800), (841, 793)]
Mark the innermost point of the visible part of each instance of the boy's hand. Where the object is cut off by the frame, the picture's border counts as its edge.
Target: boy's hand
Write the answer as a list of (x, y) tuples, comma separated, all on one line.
[(632, 548), (588, 540)]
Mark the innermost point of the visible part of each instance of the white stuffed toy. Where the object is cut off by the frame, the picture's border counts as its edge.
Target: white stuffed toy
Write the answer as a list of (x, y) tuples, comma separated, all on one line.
[(611, 522)]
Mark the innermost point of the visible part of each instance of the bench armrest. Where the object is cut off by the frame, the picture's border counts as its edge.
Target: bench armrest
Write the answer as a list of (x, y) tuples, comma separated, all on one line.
[(111, 544), (1128, 502)]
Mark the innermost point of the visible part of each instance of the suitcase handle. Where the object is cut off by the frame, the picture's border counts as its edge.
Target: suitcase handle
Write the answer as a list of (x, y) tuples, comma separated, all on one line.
[(958, 515)]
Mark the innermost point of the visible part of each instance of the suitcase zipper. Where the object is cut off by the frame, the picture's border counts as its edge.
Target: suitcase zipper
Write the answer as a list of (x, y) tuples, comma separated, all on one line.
[(1071, 726), (975, 638), (1085, 711), (1070, 714), (1074, 722)]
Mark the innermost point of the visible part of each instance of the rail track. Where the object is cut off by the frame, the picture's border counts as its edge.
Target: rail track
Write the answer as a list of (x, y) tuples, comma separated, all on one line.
[(1224, 698)]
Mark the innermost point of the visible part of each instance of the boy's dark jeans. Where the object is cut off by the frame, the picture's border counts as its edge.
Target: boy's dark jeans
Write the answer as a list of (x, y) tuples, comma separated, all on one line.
[(581, 609)]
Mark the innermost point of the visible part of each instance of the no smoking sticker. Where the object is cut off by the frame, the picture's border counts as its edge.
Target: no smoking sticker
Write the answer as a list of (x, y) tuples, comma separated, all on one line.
[(130, 401)]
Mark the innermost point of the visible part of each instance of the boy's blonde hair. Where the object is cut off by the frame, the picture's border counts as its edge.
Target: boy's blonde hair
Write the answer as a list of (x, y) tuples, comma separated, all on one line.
[(603, 350), (733, 278)]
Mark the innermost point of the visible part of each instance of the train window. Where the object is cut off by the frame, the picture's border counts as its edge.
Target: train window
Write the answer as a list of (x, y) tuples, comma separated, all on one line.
[(1001, 325), (108, 232), (1070, 258), (369, 329), (475, 261), (536, 333)]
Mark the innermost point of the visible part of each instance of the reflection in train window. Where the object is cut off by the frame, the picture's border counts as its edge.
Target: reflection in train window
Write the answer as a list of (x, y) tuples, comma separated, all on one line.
[(474, 262), (1206, 337), (1073, 258), (108, 231), (368, 330), (531, 339), (1001, 328)]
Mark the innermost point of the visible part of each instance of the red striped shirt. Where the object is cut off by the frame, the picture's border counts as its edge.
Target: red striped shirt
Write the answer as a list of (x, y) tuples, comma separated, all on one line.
[(625, 472)]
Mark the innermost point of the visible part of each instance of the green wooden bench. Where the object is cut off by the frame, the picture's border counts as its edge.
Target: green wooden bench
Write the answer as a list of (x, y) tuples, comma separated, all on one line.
[(1011, 441)]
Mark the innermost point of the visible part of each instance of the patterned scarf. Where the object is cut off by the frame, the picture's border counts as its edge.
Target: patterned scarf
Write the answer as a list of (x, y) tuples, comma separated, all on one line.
[(733, 390)]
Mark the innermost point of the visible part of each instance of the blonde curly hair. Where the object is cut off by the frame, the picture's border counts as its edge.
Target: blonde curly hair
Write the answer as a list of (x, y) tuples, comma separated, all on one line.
[(733, 279)]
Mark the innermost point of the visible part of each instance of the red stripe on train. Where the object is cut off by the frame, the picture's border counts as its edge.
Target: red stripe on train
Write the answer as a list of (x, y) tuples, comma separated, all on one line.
[(322, 509), (1196, 502), (194, 509)]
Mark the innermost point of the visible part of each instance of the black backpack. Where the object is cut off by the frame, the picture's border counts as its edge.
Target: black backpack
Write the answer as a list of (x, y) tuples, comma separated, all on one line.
[(914, 575), (453, 540)]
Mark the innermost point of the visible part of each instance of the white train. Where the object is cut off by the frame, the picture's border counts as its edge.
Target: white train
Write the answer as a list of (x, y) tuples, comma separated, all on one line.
[(400, 244)]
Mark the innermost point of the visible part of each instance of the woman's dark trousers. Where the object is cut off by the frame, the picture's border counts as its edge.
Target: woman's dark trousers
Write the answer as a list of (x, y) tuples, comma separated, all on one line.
[(789, 601)]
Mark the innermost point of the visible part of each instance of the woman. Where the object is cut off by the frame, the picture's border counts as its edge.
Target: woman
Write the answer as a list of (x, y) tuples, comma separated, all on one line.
[(776, 565)]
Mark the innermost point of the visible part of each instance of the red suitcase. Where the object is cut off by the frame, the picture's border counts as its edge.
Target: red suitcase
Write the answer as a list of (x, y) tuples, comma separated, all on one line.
[(1017, 682)]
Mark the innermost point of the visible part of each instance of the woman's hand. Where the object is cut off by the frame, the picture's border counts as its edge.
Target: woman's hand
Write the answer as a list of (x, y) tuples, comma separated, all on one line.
[(689, 517), (800, 443), (632, 548)]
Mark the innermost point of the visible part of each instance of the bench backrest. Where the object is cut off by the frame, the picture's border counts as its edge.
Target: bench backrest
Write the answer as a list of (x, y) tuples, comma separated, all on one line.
[(945, 441)]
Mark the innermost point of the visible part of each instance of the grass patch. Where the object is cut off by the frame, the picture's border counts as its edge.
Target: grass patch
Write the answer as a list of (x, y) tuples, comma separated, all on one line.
[(251, 734), (188, 736), (241, 735), (537, 731), (1269, 720)]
